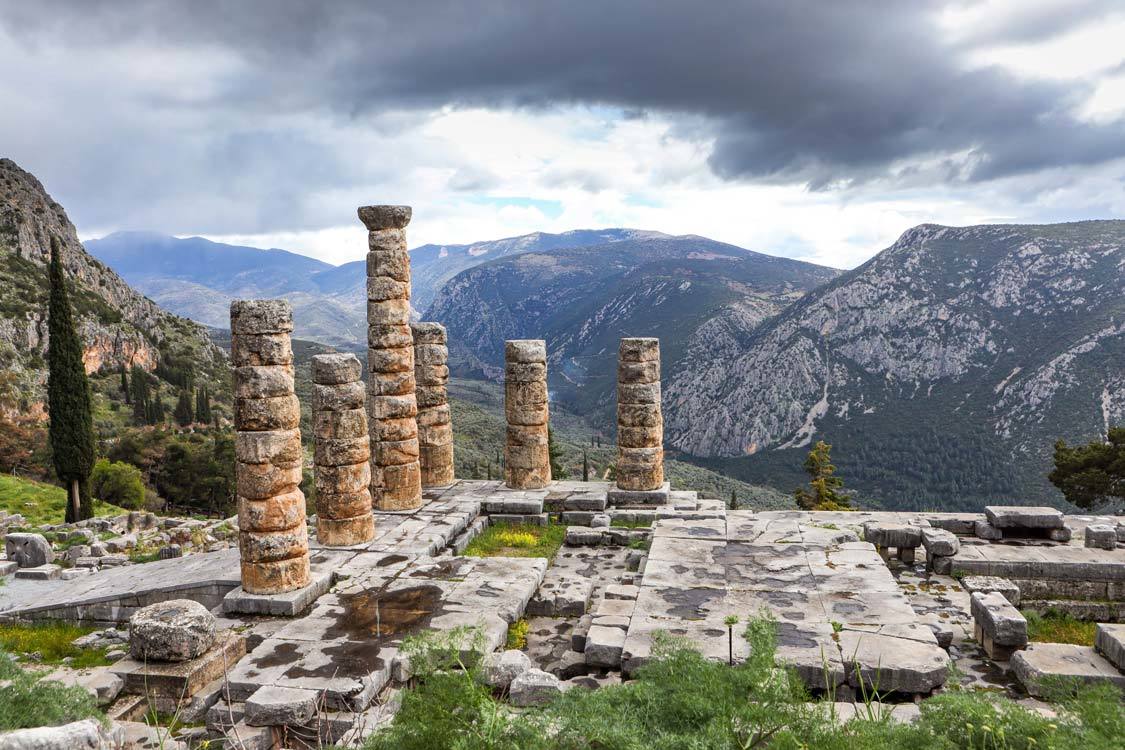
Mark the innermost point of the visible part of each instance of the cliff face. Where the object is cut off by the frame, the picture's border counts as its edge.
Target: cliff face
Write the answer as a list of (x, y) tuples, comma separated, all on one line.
[(118, 326), (989, 339)]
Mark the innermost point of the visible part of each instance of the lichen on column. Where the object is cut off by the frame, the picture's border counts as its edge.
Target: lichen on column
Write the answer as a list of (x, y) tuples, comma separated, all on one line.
[(396, 481), (640, 424), (273, 539), (435, 427), (527, 460), (342, 452)]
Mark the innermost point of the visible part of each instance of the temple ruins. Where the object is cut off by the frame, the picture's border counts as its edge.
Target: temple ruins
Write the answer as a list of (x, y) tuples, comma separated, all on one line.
[(309, 636)]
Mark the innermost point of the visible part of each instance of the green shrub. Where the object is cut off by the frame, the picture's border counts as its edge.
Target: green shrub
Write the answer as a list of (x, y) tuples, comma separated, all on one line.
[(118, 483)]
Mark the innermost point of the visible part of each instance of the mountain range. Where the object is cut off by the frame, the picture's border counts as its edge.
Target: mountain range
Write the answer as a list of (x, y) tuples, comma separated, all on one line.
[(198, 278)]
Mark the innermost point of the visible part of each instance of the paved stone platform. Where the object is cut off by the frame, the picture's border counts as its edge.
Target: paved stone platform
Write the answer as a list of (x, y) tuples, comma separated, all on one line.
[(841, 616)]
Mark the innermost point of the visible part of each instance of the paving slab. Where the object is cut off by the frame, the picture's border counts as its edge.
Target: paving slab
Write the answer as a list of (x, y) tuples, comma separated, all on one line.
[(1109, 640), (1040, 664), (1024, 517)]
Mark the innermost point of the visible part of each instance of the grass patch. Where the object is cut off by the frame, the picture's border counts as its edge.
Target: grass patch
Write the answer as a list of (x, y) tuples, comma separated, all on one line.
[(53, 640), (27, 700), (622, 523), (1059, 627), (41, 503), (518, 541), (517, 634)]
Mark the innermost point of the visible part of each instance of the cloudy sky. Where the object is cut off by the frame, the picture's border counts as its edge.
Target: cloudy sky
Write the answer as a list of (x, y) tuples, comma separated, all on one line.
[(813, 129)]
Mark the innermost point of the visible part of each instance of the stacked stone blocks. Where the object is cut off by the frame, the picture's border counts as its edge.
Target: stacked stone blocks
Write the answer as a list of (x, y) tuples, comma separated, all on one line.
[(392, 408), (640, 424), (342, 452), (527, 460), (435, 427), (273, 539)]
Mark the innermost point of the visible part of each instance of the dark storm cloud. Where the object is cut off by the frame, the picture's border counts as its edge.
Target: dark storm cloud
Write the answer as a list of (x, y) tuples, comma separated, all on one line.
[(827, 92)]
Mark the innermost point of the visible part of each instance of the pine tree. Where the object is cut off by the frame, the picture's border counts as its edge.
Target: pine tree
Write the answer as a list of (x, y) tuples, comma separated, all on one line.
[(183, 413), (825, 488), (68, 398)]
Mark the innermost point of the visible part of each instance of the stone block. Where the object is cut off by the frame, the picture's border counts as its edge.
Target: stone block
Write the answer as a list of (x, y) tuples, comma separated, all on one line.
[(525, 351), (275, 513), (276, 447), (985, 530), (181, 679), (258, 316), (604, 646), (271, 705), (1042, 664), (285, 604), (381, 217), (534, 688), (263, 381), (171, 631), (993, 584), (500, 669), (47, 572), (1023, 517), (939, 542), (622, 497), (263, 349), (1101, 536), (1109, 640), (897, 536), (336, 369), (1060, 535), (339, 397), (639, 350), (28, 550), (273, 413), (998, 626), (620, 591), (89, 734)]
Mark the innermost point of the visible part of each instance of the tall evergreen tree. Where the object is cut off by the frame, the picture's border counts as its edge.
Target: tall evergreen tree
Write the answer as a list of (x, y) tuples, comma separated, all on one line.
[(68, 398), (202, 405), (554, 454), (139, 386), (125, 385), (825, 490), (183, 413)]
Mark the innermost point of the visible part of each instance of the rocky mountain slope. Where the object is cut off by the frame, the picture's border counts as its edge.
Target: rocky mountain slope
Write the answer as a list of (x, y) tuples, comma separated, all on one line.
[(942, 370), (117, 325), (197, 278), (582, 300)]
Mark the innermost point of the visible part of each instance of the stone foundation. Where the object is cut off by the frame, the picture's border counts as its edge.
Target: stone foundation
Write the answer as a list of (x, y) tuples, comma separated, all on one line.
[(392, 409), (272, 538), (527, 461), (435, 427), (342, 452)]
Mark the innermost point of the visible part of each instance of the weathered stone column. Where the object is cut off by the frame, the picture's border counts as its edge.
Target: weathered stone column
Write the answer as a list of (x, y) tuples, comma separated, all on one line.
[(640, 425), (396, 479), (272, 537), (342, 452), (527, 461), (435, 426)]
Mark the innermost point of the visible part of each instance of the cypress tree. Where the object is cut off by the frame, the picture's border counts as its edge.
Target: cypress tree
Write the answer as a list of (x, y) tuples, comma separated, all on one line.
[(183, 412), (68, 398), (125, 385), (585, 466), (203, 406)]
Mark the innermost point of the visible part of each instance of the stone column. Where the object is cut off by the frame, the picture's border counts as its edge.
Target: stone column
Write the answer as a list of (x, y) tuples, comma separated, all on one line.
[(342, 451), (640, 425), (272, 537), (527, 462), (396, 478), (435, 427)]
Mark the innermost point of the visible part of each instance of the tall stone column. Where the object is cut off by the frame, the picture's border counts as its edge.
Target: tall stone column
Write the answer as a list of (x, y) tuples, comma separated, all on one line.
[(342, 452), (527, 461), (272, 537), (640, 425), (392, 410), (435, 426)]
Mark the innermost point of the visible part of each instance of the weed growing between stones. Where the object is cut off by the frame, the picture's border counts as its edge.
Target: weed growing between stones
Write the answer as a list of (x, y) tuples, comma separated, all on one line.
[(52, 641), (27, 700), (1054, 626), (682, 700), (518, 541), (517, 634)]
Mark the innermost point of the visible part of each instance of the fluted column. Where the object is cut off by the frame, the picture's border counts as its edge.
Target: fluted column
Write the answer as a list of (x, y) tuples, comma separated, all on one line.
[(342, 452), (640, 425), (272, 539), (396, 481), (527, 460), (435, 427)]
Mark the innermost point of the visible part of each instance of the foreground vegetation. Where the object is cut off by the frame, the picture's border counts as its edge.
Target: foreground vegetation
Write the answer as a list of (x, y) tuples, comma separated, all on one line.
[(51, 642), (27, 700), (682, 700)]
